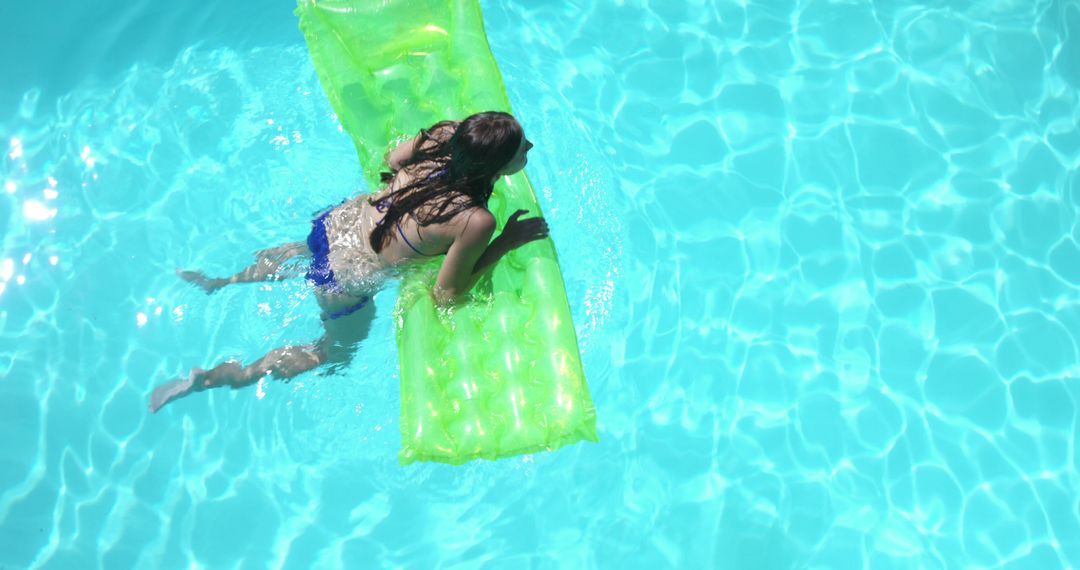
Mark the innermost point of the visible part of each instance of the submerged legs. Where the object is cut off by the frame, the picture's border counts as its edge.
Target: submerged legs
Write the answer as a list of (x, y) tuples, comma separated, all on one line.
[(341, 336), (282, 363), (265, 268)]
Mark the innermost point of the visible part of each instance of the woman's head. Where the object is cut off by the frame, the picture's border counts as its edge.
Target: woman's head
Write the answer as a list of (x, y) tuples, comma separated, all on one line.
[(487, 145), (480, 149)]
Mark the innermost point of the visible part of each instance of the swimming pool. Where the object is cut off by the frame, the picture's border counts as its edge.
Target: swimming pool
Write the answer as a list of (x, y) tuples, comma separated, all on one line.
[(822, 258)]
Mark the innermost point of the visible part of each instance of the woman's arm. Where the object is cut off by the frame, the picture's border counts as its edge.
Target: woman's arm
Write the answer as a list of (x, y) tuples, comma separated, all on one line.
[(401, 154), (462, 266), (476, 252)]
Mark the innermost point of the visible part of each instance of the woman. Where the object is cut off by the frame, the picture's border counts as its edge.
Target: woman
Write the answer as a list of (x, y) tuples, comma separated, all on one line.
[(434, 203)]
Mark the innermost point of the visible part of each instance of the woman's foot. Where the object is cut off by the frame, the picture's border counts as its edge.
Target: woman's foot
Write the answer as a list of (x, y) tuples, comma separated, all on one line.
[(208, 284), (176, 389)]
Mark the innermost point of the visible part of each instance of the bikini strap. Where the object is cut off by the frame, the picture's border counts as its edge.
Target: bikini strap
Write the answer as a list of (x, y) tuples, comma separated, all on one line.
[(411, 246), (381, 207)]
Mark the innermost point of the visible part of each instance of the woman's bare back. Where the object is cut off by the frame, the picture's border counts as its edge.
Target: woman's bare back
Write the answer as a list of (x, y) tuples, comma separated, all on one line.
[(349, 226)]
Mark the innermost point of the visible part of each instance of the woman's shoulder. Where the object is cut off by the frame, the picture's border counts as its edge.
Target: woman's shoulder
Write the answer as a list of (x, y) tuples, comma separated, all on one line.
[(474, 219)]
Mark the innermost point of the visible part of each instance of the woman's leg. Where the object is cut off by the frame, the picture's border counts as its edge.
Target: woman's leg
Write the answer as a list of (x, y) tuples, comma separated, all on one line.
[(282, 363), (265, 268), (339, 342)]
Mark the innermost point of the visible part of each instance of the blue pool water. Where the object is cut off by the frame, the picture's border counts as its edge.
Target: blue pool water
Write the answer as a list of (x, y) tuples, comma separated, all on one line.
[(822, 258)]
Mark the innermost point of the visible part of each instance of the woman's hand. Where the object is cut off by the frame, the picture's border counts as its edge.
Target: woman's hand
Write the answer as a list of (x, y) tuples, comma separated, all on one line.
[(517, 232)]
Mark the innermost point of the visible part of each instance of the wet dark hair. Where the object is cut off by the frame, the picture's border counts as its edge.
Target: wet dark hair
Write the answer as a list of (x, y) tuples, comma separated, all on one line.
[(464, 166)]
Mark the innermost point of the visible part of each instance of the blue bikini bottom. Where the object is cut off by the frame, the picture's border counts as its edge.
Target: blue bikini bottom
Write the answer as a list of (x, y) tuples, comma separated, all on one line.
[(320, 272)]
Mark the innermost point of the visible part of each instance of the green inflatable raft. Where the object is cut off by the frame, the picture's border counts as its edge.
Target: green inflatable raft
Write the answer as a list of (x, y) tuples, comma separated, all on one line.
[(501, 375)]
